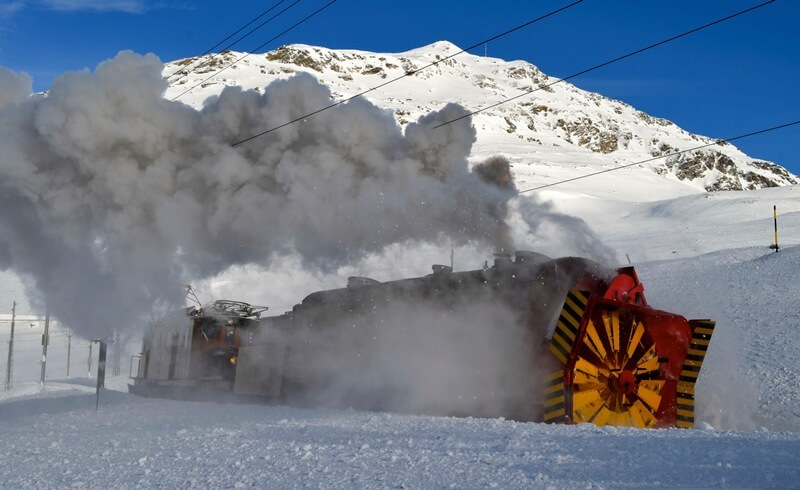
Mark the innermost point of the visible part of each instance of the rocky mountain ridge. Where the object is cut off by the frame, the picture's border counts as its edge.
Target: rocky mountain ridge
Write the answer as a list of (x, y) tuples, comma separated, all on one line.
[(555, 124)]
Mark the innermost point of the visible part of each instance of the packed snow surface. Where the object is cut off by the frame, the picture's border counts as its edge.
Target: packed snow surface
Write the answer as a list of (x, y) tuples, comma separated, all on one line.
[(62, 442)]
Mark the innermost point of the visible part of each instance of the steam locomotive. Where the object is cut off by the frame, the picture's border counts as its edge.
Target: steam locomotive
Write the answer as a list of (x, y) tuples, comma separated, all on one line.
[(531, 338)]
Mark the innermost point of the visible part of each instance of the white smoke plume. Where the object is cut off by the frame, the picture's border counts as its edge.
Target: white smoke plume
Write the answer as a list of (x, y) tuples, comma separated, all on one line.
[(111, 196), (14, 87), (556, 234)]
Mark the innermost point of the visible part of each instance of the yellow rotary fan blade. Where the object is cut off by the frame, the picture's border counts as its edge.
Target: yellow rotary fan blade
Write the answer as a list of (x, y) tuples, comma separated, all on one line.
[(641, 416), (648, 362), (649, 392), (593, 341), (598, 395), (590, 404), (591, 371), (636, 336)]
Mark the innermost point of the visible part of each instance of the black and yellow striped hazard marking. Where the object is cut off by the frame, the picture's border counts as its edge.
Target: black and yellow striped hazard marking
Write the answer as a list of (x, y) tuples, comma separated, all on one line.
[(701, 335), (568, 324), (554, 399)]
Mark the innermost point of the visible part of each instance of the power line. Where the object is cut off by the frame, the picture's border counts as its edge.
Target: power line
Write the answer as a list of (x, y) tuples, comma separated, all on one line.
[(230, 45), (409, 73), (606, 63), (186, 69), (304, 19), (212, 48), (715, 142), (262, 14)]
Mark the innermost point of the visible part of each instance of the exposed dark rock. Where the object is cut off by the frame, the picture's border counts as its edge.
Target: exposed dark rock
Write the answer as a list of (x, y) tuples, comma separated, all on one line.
[(775, 169), (584, 132), (697, 165), (756, 181), (511, 126), (653, 120), (286, 54), (369, 70), (662, 149)]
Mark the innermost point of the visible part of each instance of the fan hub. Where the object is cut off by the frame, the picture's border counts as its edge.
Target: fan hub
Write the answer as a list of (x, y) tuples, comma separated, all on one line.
[(623, 382)]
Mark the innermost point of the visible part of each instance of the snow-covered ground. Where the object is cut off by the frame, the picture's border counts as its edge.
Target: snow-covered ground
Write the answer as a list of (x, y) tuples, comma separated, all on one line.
[(57, 440)]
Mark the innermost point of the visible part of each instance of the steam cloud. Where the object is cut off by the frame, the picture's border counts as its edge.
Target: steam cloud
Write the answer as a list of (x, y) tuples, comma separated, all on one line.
[(111, 197)]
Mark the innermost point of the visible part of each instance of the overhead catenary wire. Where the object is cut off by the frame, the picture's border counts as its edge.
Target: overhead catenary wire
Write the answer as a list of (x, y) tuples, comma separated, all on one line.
[(606, 63), (293, 26), (185, 69), (262, 14), (409, 73), (675, 153)]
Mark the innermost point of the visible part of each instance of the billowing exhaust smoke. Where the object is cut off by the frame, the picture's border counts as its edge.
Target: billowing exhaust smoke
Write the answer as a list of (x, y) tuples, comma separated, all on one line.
[(111, 197)]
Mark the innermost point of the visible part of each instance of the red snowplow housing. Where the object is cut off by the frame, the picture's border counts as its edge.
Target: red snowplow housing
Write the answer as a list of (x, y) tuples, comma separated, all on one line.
[(623, 362)]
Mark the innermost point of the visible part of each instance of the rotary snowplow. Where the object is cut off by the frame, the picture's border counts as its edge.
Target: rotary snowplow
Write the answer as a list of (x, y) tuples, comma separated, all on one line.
[(623, 362), (617, 361)]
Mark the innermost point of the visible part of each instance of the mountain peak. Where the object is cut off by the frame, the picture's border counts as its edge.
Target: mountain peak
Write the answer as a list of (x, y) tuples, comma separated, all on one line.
[(440, 47), (555, 131)]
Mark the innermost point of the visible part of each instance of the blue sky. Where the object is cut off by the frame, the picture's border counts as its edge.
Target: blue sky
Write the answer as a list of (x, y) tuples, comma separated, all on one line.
[(733, 78)]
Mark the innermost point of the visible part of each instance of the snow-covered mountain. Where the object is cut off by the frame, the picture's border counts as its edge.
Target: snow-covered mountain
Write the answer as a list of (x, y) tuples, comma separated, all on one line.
[(558, 131)]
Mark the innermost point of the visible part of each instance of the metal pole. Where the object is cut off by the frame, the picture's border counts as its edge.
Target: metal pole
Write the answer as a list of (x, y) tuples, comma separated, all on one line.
[(89, 361), (101, 371), (69, 350), (775, 217), (9, 365), (117, 353), (45, 341)]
